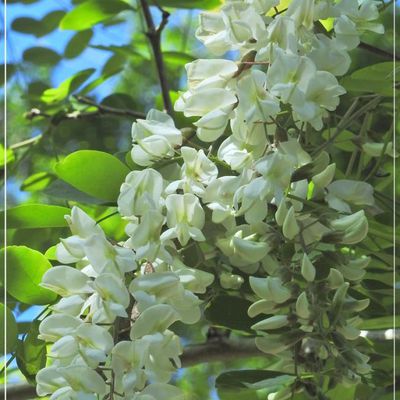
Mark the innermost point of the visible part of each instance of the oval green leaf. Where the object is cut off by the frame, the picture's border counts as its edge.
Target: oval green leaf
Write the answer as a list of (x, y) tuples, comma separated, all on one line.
[(9, 325), (92, 12), (38, 181), (78, 44), (41, 56), (93, 172), (36, 216), (25, 268)]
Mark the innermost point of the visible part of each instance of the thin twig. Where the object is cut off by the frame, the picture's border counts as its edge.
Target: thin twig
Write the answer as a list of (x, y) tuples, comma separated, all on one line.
[(103, 109), (154, 35)]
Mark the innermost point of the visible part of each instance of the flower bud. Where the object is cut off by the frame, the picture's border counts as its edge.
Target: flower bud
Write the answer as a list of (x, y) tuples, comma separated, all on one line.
[(270, 289), (275, 322), (302, 306), (325, 177), (281, 213), (230, 281), (335, 278), (290, 227), (261, 307), (307, 269), (353, 227)]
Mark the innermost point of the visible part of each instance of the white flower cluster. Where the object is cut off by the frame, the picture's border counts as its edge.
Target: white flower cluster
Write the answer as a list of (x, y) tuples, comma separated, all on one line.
[(87, 360), (302, 65), (262, 191)]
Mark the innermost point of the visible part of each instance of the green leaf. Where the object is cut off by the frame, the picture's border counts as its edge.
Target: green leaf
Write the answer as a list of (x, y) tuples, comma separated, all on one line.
[(41, 56), (59, 93), (230, 312), (92, 12), (37, 182), (7, 322), (114, 64), (25, 268), (344, 141), (51, 253), (62, 190), (200, 4), (31, 353), (377, 78), (38, 28), (6, 157), (78, 43), (93, 172), (387, 322), (27, 25), (36, 216), (10, 72)]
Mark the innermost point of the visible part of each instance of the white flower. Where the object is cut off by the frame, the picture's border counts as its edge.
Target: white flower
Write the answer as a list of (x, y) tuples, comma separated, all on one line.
[(322, 93), (210, 73), (56, 326), (72, 382), (355, 18), (82, 227), (329, 56), (154, 138), (110, 299), (214, 105), (185, 218), (281, 33), (140, 193), (244, 247), (302, 12), (93, 343), (256, 104), (246, 144), (145, 236), (197, 172), (66, 281), (344, 191)]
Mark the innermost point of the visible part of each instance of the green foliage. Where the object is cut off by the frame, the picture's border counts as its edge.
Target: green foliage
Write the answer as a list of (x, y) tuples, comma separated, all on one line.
[(25, 268), (31, 353), (35, 216), (7, 324), (58, 94), (93, 172), (92, 12), (377, 78)]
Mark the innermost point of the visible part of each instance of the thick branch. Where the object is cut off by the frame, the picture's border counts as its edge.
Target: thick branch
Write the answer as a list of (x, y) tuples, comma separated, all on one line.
[(154, 35)]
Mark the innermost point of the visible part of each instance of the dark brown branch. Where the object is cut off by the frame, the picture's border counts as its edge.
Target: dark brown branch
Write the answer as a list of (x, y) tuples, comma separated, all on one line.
[(154, 35), (103, 109), (378, 51)]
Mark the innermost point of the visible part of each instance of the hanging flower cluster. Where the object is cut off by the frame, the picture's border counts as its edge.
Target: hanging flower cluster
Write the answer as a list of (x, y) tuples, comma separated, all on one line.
[(284, 221), (99, 306)]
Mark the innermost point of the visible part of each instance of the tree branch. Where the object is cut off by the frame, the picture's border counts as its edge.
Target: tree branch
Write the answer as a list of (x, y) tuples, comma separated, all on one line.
[(103, 109), (154, 35), (378, 51)]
